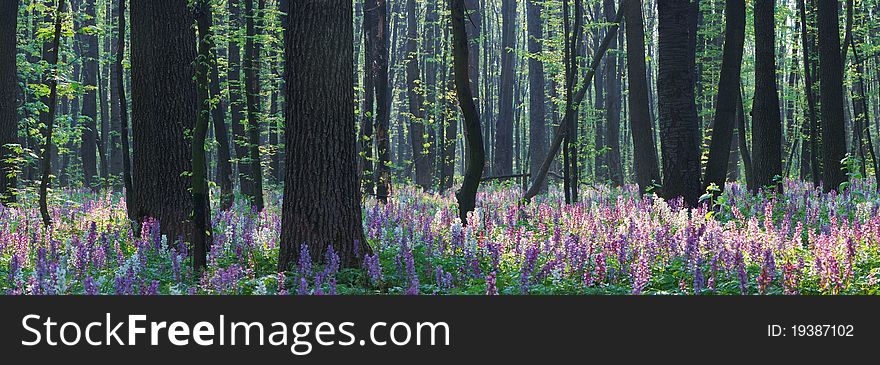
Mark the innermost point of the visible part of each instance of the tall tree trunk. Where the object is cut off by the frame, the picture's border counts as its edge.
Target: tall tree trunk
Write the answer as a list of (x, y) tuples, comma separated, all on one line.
[(811, 99), (164, 109), (321, 191), (612, 108), (89, 47), (679, 125), (863, 116), (202, 238), (103, 77), (371, 24), (831, 83), (476, 158), (50, 78), (416, 101), (766, 120), (503, 150), (537, 96), (115, 121), (644, 148), (8, 103), (383, 104), (218, 117), (728, 88), (252, 96), (237, 105)]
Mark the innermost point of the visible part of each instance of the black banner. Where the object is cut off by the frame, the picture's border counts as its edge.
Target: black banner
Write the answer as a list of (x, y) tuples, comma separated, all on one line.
[(411, 329)]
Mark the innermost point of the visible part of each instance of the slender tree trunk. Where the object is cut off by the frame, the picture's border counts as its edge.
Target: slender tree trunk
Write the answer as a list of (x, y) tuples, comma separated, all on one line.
[(89, 47), (728, 88), (122, 106), (321, 191), (537, 94), (50, 78), (383, 104), (252, 97), (831, 83), (218, 117), (503, 150), (8, 103), (644, 148), (476, 159), (237, 105), (811, 99), (202, 238), (164, 110), (612, 108), (103, 77), (115, 123), (416, 101), (371, 24)]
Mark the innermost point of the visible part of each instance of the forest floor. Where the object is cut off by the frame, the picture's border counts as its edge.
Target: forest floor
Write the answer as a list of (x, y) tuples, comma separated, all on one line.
[(611, 242)]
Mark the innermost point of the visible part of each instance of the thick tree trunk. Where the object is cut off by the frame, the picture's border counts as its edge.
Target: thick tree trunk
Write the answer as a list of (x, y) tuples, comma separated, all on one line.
[(476, 157), (644, 148), (503, 147), (8, 104), (766, 121), (252, 97), (612, 107), (537, 96), (416, 101), (88, 43), (728, 87), (831, 83), (321, 194), (164, 109), (679, 126)]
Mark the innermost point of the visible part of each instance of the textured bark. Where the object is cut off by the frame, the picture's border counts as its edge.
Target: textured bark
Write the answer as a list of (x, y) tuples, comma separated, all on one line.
[(383, 103), (811, 98), (252, 97), (728, 87), (433, 111), (88, 44), (476, 157), (503, 146), (163, 110), (766, 120), (321, 194), (537, 94), (679, 126), (103, 77), (416, 101), (644, 148), (8, 93), (202, 238), (50, 54), (473, 25), (218, 118), (831, 83), (612, 107), (742, 132), (371, 22), (122, 106), (115, 114)]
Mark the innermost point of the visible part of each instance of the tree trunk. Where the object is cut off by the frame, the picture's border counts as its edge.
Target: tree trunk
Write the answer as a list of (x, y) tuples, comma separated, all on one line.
[(49, 77), (728, 88), (415, 98), (8, 102), (831, 83), (252, 96), (766, 122), (218, 117), (115, 113), (371, 23), (644, 148), (503, 147), (89, 52), (383, 103), (164, 109), (537, 96), (811, 99), (321, 193), (202, 237), (122, 106), (679, 125), (612, 108), (237, 108), (476, 158)]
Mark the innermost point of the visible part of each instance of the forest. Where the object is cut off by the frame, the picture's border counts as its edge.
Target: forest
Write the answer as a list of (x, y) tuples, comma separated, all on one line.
[(469, 147)]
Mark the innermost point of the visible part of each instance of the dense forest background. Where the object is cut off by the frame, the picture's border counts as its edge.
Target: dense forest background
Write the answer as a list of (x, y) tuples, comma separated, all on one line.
[(170, 99)]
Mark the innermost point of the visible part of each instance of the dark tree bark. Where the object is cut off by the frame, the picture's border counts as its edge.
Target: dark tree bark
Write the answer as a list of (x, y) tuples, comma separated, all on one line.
[(252, 97), (416, 101), (473, 28), (122, 106), (861, 111), (88, 43), (49, 77), (237, 105), (742, 133), (371, 24), (831, 84), (811, 98), (202, 237), (476, 157), (164, 108), (321, 194), (679, 126), (537, 96), (433, 112), (8, 104), (644, 148), (503, 147), (728, 88), (115, 117), (766, 121), (103, 77), (612, 107)]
